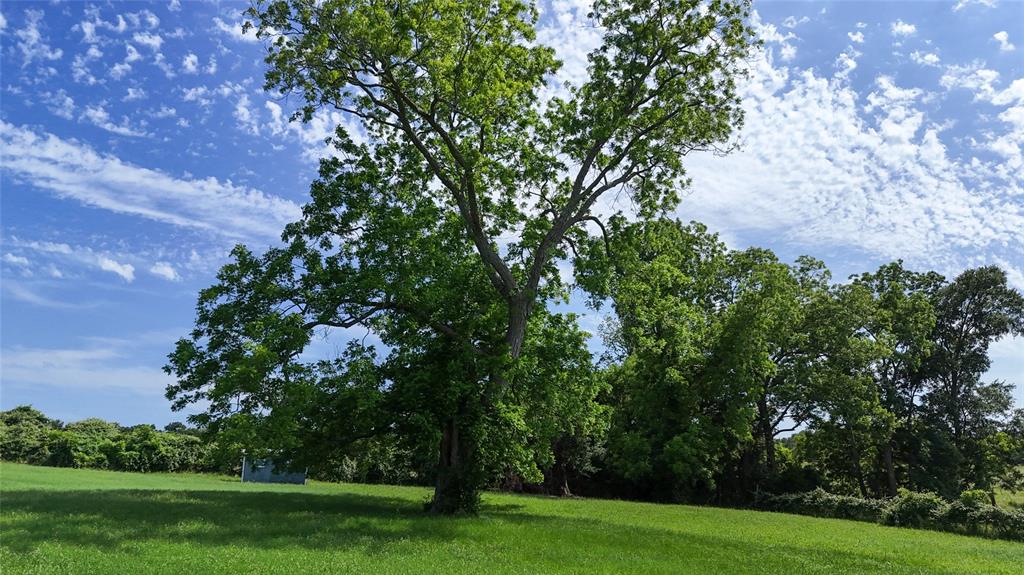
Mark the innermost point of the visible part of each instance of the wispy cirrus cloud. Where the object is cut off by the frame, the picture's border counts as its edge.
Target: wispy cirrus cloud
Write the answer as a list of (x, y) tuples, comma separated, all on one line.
[(70, 169), (96, 366)]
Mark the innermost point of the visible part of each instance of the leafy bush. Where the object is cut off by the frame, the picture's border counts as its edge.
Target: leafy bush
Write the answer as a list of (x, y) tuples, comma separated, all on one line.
[(821, 503), (912, 509), (971, 514), (23, 435), (27, 436), (974, 498), (71, 449), (981, 519)]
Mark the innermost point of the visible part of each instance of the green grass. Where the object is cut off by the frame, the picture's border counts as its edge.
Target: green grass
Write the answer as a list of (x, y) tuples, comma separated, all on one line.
[(1011, 500), (79, 521)]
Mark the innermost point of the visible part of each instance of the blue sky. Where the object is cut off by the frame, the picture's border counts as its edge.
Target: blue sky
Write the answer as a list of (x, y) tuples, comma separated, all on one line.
[(138, 146)]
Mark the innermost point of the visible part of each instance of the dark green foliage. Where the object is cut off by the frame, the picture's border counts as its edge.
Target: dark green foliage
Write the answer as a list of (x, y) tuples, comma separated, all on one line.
[(820, 503), (911, 509), (402, 235), (29, 437), (969, 515), (24, 435)]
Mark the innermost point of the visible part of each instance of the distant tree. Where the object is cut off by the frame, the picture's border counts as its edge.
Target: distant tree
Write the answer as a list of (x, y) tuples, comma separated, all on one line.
[(902, 321), (83, 443), (770, 315), (474, 183), (972, 312), (23, 434), (177, 427), (847, 421), (674, 421)]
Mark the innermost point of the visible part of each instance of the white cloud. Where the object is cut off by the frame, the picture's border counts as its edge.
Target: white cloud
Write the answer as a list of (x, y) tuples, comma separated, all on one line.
[(857, 37), (199, 95), (569, 20), (94, 23), (3, 22), (134, 94), (974, 77), (165, 111), (162, 63), (234, 31), (60, 104), (961, 4), (32, 44), (80, 255), (792, 22), (120, 70), (174, 6), (1004, 41), (190, 64), (901, 28), (98, 116), (211, 66), (769, 34), (149, 40), (151, 19), (80, 66), (247, 119), (825, 170), (26, 294), (925, 58), (16, 260), (276, 124), (102, 364), (846, 63), (165, 270), (126, 271), (132, 55), (73, 170)]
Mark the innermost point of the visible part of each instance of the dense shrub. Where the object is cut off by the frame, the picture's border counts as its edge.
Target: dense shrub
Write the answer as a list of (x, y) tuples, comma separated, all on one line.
[(911, 509), (23, 435), (26, 436), (975, 497), (970, 514), (820, 503)]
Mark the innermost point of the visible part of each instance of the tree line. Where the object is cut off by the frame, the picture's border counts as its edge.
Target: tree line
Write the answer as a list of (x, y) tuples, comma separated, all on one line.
[(29, 436), (477, 193), (728, 377), (727, 374)]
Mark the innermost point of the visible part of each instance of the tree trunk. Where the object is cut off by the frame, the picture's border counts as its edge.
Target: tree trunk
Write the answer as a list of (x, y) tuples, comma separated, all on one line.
[(890, 469), (518, 316), (767, 434), (858, 472), (456, 489), (562, 475)]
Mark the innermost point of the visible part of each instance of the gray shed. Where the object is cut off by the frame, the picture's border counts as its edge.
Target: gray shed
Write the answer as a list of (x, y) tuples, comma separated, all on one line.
[(262, 471)]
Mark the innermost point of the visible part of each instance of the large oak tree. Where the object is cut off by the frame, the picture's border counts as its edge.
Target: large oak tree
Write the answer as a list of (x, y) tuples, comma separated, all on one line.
[(442, 224)]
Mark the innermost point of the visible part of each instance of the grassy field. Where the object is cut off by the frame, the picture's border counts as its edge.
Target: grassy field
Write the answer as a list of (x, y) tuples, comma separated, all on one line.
[(79, 521), (1010, 500)]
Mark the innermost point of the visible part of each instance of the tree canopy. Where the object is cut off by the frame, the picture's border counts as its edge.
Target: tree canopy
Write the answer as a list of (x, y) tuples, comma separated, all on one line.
[(475, 193)]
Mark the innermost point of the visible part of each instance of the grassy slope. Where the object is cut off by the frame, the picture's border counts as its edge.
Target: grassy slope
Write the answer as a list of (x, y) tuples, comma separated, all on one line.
[(79, 521)]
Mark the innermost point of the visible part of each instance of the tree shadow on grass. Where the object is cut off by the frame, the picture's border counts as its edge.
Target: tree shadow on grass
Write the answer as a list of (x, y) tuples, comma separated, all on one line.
[(115, 520), (112, 519)]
